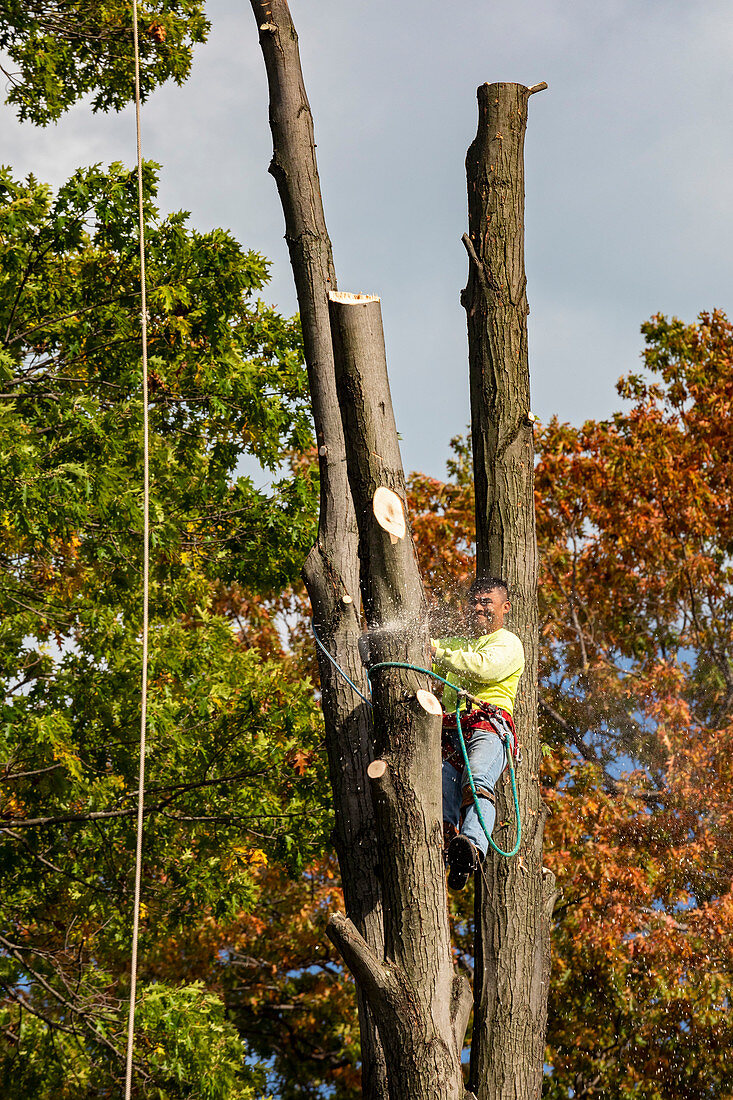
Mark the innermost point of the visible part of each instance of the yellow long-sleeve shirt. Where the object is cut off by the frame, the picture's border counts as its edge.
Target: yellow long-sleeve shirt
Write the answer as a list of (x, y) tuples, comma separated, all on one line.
[(488, 667)]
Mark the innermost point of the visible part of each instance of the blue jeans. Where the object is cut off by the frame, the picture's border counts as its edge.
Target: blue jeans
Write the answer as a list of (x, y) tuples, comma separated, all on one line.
[(487, 757)]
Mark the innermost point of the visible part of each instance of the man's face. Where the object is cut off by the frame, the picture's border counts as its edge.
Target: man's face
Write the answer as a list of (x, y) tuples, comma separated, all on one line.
[(486, 611)]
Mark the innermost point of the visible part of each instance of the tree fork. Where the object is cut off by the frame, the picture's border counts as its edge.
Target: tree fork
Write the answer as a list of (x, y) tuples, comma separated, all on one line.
[(514, 899), (413, 988), (331, 571)]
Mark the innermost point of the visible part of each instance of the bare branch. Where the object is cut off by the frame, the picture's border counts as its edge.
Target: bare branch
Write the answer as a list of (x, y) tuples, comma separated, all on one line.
[(196, 785), (10, 776), (369, 972), (106, 815)]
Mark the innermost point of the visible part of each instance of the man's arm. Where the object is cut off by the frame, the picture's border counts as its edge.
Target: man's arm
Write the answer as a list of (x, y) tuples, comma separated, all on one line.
[(490, 664)]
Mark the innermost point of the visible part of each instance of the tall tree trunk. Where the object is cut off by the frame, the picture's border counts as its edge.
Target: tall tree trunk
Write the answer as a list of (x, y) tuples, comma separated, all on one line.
[(514, 899), (414, 992), (331, 572)]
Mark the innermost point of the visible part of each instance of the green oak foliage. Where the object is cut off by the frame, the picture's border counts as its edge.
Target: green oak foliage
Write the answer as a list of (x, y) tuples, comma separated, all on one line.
[(226, 721), (182, 1035), (61, 50)]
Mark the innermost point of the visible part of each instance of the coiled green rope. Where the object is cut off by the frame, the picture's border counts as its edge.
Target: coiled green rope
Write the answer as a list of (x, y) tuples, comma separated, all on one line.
[(512, 776), (464, 752)]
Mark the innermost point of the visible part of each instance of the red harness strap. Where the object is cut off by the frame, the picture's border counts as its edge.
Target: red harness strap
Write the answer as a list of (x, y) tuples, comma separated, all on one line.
[(486, 717)]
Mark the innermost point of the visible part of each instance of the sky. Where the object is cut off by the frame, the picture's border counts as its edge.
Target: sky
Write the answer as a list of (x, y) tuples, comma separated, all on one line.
[(629, 175)]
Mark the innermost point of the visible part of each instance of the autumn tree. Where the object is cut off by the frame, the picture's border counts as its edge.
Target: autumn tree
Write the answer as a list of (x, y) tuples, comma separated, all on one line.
[(635, 589), (638, 666)]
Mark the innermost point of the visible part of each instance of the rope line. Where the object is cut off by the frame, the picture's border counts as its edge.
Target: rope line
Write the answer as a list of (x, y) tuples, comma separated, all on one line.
[(464, 753), (146, 571), (459, 730), (338, 667)]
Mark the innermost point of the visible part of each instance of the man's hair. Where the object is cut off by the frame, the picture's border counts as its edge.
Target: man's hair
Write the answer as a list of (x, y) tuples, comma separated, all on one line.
[(486, 584)]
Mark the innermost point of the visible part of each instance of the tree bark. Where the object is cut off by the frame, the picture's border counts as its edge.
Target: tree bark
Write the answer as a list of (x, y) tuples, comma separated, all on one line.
[(331, 571), (513, 898), (412, 986)]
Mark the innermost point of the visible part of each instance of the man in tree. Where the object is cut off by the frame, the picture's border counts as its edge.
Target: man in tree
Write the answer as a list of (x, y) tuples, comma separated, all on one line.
[(487, 664)]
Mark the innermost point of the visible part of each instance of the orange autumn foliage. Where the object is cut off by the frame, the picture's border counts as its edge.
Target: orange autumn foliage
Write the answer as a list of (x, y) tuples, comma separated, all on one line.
[(635, 523), (635, 530)]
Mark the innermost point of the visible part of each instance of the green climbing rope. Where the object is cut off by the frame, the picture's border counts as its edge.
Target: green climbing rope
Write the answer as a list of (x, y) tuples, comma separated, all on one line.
[(512, 776)]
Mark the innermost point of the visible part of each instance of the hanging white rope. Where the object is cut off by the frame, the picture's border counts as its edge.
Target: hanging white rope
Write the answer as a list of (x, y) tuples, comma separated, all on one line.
[(146, 563)]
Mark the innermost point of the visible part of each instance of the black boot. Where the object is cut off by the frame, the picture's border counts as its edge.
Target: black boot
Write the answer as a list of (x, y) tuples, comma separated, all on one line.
[(462, 862)]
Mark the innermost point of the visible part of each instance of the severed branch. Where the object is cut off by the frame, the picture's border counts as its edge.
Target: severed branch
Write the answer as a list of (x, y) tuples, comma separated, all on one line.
[(480, 269), (461, 1006)]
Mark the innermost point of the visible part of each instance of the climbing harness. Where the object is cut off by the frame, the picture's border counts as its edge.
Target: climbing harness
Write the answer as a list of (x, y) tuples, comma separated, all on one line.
[(460, 694), (515, 796), (464, 752)]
